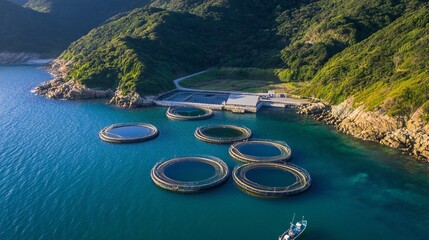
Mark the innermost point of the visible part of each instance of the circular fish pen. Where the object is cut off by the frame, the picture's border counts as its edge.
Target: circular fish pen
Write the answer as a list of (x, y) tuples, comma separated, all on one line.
[(162, 179), (188, 113), (222, 134), (302, 179), (128, 133), (255, 151)]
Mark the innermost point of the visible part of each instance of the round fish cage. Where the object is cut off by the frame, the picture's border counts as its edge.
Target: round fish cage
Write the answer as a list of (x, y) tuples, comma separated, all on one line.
[(159, 177), (301, 184), (128, 133), (256, 151), (188, 113), (223, 134)]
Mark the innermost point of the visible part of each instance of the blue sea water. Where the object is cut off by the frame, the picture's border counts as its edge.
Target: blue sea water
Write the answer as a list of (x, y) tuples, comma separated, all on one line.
[(59, 181)]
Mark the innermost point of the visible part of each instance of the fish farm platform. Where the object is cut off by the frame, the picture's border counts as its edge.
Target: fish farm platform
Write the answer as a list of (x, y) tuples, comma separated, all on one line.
[(220, 175), (302, 183), (128, 133)]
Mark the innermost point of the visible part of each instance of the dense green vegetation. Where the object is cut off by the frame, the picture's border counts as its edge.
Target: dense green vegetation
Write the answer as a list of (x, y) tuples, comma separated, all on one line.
[(24, 30), (317, 31), (299, 37), (162, 44), (147, 45), (374, 50), (389, 70), (84, 14)]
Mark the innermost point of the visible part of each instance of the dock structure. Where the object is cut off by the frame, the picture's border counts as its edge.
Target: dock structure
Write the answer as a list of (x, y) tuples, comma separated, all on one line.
[(237, 102), (243, 103), (302, 183), (284, 151), (160, 179)]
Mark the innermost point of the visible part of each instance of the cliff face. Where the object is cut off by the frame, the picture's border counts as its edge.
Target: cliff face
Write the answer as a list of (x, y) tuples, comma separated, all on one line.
[(408, 135)]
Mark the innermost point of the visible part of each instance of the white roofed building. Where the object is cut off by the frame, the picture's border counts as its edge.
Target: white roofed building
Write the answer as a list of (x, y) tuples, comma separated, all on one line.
[(243, 103)]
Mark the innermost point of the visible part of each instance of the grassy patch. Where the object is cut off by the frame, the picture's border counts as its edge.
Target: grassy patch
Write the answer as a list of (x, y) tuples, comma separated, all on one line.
[(239, 79)]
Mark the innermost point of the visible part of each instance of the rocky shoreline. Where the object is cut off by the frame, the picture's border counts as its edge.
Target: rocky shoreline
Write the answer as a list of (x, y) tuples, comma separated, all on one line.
[(61, 88), (411, 136)]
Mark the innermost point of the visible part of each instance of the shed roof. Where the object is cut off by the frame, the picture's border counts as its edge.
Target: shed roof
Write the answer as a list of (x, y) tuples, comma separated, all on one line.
[(243, 100)]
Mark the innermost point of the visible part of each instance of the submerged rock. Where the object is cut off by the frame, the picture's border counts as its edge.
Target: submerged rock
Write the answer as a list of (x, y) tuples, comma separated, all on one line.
[(410, 136)]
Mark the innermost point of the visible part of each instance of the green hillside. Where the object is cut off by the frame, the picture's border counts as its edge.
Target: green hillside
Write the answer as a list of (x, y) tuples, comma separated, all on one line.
[(172, 38), (49, 26), (389, 70), (84, 14), (317, 31), (147, 44), (162, 44), (24, 30), (374, 50)]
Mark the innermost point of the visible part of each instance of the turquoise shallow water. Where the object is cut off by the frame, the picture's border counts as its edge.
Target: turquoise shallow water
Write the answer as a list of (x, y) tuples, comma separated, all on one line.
[(59, 181)]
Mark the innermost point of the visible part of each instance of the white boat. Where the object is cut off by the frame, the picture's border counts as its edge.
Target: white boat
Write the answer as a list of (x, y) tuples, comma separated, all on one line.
[(295, 230)]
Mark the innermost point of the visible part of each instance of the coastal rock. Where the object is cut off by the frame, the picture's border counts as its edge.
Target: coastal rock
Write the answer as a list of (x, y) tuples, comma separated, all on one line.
[(343, 110), (414, 142), (130, 100), (416, 122), (59, 68), (60, 89), (371, 126), (314, 108), (410, 136)]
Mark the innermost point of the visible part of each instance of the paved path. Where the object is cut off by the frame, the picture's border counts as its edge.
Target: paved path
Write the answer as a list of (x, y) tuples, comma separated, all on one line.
[(177, 81)]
